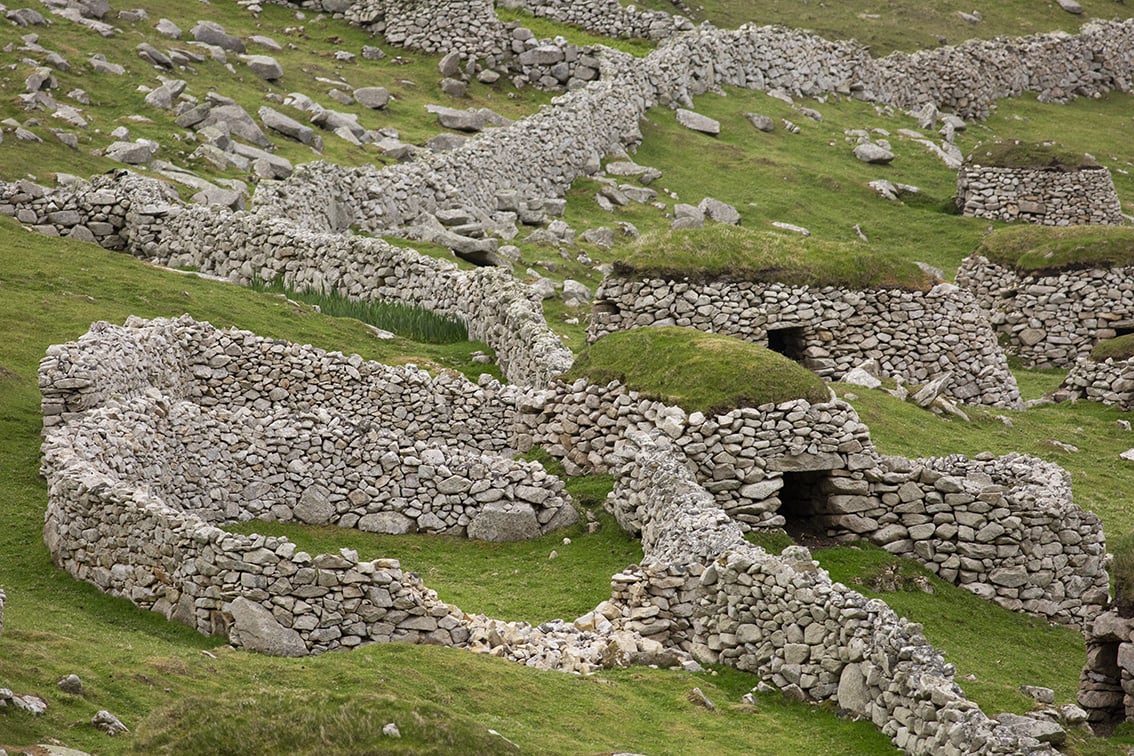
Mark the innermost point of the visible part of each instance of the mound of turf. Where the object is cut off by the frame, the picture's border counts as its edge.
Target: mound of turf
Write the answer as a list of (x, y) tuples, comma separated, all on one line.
[(1046, 249), (1013, 153), (1121, 348), (698, 371), (720, 251)]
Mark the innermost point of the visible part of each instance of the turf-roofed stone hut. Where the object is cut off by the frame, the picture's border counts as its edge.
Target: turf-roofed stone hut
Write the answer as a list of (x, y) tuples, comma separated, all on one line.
[(1036, 183), (775, 448), (829, 306), (1053, 294)]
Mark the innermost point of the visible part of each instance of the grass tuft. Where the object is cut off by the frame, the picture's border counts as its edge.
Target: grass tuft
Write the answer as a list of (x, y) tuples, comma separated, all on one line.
[(703, 372)]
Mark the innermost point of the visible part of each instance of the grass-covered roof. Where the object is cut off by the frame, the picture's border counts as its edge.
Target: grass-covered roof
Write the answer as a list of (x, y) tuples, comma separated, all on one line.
[(1014, 153), (698, 371), (1044, 249), (720, 251)]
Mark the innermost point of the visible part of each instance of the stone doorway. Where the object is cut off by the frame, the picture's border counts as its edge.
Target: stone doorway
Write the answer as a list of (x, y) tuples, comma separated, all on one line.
[(789, 342)]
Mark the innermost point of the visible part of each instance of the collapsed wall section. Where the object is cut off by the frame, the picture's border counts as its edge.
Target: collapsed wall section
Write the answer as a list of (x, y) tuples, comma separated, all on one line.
[(913, 335), (1051, 319), (1109, 381)]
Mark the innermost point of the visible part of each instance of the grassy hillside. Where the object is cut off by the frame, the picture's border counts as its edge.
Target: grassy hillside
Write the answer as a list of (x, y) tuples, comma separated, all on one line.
[(180, 692)]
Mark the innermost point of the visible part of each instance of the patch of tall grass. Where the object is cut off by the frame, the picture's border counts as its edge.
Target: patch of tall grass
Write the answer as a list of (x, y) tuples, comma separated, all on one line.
[(407, 321)]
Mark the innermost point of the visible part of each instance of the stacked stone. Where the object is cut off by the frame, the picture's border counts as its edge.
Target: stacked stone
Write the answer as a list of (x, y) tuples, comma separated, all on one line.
[(95, 211), (1106, 684), (1006, 528), (186, 359), (1110, 382), (147, 219), (193, 572), (783, 618), (913, 335), (609, 18), (315, 468), (1051, 319), (1049, 197), (739, 455)]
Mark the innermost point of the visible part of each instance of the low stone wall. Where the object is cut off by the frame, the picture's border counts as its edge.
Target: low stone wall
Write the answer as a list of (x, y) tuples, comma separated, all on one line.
[(125, 211), (186, 359), (1048, 197), (1109, 381), (1006, 529), (539, 156), (1052, 319), (916, 336), (608, 18), (784, 619)]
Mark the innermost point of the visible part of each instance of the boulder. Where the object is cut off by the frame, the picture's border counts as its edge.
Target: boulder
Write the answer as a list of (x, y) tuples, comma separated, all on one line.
[(282, 124), (167, 28), (214, 34), (868, 152), (504, 521), (721, 212), (256, 629), (374, 98), (264, 66), (131, 153), (238, 122), (761, 122), (698, 122), (460, 120)]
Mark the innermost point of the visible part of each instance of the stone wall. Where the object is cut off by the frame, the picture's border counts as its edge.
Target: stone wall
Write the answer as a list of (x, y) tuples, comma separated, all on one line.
[(125, 211), (538, 157), (1049, 197), (607, 18), (784, 619), (1051, 319), (916, 336), (1006, 528), (1106, 684), (1109, 381)]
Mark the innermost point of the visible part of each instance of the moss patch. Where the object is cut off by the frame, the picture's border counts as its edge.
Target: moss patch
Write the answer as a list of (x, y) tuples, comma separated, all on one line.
[(1013, 153), (731, 252), (1043, 249), (699, 371)]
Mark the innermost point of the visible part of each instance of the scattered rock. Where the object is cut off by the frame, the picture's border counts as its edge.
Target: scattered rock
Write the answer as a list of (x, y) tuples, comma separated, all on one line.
[(71, 684), (264, 66), (254, 628), (761, 122), (374, 98), (721, 212), (108, 723), (698, 122), (868, 152), (214, 34), (390, 730), (791, 227)]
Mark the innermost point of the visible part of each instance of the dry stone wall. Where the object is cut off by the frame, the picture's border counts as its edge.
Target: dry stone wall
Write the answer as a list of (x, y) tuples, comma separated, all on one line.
[(1006, 528), (1051, 319), (539, 156), (1045, 196), (1108, 381), (783, 618), (1106, 684), (915, 336), (608, 18), (125, 211)]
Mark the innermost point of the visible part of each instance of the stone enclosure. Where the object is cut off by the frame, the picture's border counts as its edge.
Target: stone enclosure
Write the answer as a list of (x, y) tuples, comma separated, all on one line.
[(172, 427)]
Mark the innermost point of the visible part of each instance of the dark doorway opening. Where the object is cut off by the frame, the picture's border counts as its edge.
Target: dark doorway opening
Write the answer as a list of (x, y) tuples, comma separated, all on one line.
[(803, 505), (788, 341)]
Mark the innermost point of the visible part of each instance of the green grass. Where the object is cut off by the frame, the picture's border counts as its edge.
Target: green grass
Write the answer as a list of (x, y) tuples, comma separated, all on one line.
[(1032, 249), (1013, 153), (407, 321), (1119, 348), (999, 648), (888, 25), (699, 371), (739, 254)]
